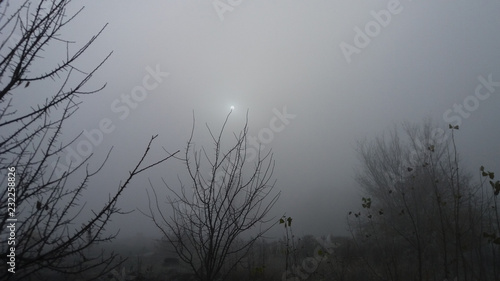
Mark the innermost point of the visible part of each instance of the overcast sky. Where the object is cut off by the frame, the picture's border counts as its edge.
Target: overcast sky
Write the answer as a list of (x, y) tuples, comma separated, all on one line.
[(318, 75)]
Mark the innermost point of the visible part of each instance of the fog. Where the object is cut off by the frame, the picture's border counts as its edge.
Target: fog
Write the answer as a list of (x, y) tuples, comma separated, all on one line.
[(286, 56), (314, 77)]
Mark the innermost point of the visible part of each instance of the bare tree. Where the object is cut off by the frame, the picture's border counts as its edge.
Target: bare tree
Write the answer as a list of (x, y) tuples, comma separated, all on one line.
[(422, 209), (41, 202), (211, 213)]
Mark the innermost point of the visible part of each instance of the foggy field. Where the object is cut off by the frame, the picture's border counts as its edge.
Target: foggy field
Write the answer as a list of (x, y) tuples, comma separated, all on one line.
[(249, 140)]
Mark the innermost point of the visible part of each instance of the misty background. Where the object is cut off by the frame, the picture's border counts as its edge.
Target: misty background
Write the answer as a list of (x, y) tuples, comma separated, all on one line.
[(271, 55)]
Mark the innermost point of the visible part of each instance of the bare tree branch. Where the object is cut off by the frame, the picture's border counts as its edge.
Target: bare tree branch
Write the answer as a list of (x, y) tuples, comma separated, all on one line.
[(46, 206), (211, 213)]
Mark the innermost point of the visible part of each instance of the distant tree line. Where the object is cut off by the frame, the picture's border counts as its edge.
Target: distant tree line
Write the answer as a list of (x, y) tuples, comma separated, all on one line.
[(423, 217)]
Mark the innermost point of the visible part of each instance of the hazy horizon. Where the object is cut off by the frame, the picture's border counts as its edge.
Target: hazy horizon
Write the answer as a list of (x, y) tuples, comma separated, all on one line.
[(286, 64)]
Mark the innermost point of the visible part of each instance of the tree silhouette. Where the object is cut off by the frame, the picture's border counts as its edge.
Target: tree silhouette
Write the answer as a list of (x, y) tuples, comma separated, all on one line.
[(422, 214), (38, 231), (212, 212)]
